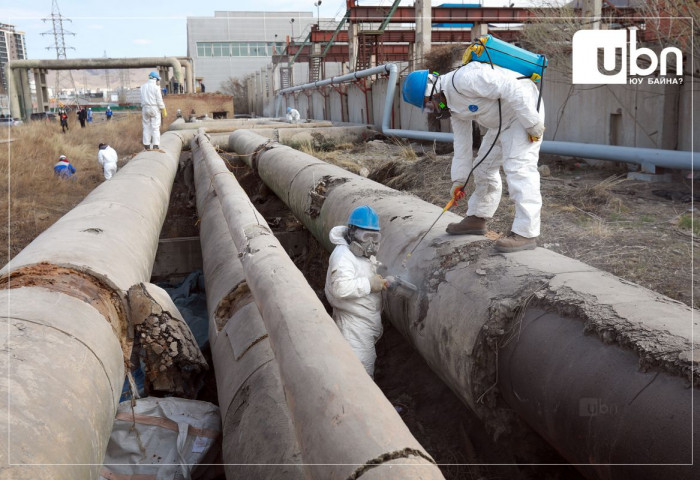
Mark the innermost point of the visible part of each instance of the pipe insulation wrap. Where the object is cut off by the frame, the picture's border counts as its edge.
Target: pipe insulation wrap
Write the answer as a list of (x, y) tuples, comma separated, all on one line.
[(343, 421), (65, 301), (575, 385), (258, 432), (469, 297)]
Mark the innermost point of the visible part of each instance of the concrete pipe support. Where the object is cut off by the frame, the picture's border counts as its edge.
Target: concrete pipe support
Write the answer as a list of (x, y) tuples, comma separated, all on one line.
[(89, 63), (345, 426), (470, 305), (69, 333), (258, 432)]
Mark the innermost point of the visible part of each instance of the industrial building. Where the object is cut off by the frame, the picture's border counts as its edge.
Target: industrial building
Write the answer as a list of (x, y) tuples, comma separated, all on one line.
[(236, 44), (12, 47)]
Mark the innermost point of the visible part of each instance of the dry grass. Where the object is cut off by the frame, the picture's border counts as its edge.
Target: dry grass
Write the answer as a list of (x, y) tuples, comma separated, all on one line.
[(32, 197), (599, 198)]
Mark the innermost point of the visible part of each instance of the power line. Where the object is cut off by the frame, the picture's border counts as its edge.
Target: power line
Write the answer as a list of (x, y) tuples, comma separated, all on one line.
[(59, 38)]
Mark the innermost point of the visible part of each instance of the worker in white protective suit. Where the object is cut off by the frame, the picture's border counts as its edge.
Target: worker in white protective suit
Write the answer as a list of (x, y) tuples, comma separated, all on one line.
[(152, 107), (490, 95), (108, 158), (353, 287), (293, 115)]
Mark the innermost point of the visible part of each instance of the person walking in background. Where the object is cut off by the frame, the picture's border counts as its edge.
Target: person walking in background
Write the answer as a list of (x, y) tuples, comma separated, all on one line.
[(89, 115), (152, 107), (108, 113), (82, 116), (63, 168), (107, 157), (63, 116)]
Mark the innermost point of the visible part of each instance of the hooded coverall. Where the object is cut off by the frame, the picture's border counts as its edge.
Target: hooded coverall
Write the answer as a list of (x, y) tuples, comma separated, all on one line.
[(472, 93), (107, 157), (293, 115), (151, 105), (356, 310)]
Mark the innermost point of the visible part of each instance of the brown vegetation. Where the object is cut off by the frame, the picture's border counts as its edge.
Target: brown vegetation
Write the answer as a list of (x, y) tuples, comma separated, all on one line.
[(32, 197)]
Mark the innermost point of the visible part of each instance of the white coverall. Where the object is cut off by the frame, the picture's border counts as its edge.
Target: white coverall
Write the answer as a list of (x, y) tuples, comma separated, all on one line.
[(151, 105), (293, 115), (356, 310), (107, 157), (472, 93)]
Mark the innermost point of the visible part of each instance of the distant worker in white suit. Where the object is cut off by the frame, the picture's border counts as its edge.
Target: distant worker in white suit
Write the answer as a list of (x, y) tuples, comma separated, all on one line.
[(107, 157), (152, 107), (293, 115)]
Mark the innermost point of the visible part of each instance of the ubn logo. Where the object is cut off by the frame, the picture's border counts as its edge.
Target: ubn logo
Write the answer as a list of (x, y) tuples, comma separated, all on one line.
[(584, 57)]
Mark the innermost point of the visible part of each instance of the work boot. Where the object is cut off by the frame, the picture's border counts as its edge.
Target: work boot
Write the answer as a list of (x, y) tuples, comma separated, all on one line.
[(515, 243), (155, 147), (470, 225), (147, 147)]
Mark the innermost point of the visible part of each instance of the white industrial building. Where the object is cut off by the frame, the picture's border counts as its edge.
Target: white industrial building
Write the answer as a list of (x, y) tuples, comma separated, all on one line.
[(236, 44)]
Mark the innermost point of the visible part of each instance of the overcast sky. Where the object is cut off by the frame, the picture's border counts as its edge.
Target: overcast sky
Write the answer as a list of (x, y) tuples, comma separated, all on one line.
[(131, 28)]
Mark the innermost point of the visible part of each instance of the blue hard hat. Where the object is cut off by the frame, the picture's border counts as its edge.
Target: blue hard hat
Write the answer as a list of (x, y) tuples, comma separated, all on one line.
[(414, 87), (289, 109), (154, 75), (364, 217)]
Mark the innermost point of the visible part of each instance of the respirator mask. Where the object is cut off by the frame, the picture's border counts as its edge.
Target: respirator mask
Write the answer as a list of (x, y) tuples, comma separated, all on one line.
[(363, 243), (436, 101)]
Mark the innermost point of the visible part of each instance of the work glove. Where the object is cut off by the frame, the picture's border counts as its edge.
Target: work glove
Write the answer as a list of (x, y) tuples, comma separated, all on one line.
[(377, 283), (390, 282), (457, 190), (536, 131), (163, 112)]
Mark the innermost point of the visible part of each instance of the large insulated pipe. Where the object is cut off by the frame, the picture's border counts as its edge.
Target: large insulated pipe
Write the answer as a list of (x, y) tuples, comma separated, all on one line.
[(471, 299), (258, 432), (646, 157), (69, 333), (345, 426), (231, 125), (98, 63), (187, 63)]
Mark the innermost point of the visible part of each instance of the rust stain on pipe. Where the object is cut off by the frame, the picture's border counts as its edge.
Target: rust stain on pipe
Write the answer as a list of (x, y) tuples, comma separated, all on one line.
[(82, 286)]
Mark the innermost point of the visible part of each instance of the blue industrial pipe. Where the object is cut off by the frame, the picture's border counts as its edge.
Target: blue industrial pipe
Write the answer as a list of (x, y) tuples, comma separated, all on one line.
[(648, 158)]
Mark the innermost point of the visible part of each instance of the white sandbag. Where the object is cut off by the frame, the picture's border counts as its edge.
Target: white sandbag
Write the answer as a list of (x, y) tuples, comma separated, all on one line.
[(162, 439)]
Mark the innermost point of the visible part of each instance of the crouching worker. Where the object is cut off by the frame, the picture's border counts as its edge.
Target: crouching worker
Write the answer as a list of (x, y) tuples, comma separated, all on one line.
[(107, 157), (63, 168), (293, 115), (353, 287)]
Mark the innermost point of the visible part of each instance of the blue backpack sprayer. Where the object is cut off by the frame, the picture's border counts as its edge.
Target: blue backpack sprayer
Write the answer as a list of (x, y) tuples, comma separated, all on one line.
[(488, 49)]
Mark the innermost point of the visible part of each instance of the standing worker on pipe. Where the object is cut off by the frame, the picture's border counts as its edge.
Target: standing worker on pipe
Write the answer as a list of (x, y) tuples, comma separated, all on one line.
[(152, 107), (505, 103), (353, 287)]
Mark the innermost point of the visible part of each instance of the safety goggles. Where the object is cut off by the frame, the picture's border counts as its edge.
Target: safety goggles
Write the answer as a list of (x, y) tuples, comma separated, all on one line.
[(364, 236)]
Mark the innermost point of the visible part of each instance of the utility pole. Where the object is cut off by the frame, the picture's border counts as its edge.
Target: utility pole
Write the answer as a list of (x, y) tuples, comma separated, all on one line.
[(107, 75), (59, 39)]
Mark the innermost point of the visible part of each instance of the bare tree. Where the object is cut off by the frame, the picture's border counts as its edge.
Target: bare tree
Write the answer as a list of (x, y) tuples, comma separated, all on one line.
[(662, 23), (238, 90)]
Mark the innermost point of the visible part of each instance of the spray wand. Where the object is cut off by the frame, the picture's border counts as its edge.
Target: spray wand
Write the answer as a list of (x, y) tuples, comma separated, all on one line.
[(453, 201)]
